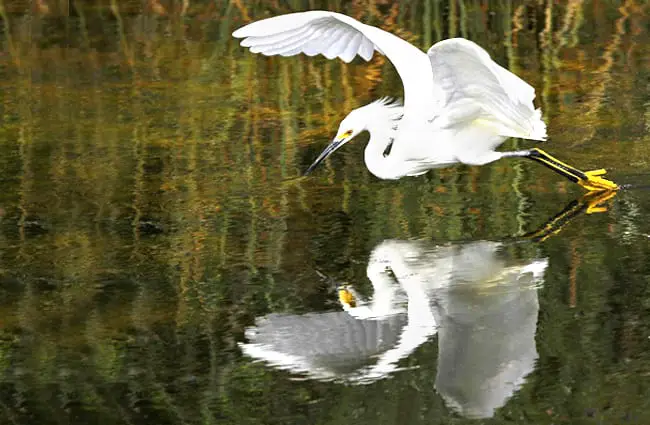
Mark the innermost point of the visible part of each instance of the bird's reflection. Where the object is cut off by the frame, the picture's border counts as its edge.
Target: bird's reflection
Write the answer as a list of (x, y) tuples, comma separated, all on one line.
[(482, 304), (478, 297)]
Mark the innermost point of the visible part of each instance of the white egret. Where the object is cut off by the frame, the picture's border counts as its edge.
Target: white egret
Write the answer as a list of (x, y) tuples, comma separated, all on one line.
[(459, 105)]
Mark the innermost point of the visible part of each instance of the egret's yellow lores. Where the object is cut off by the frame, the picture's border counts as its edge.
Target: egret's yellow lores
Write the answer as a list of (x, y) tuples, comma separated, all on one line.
[(459, 105)]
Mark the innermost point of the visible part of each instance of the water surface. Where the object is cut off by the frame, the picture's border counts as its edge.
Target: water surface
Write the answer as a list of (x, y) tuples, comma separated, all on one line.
[(152, 229)]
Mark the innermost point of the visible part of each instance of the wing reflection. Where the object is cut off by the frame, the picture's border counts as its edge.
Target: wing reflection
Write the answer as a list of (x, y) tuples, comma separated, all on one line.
[(325, 346)]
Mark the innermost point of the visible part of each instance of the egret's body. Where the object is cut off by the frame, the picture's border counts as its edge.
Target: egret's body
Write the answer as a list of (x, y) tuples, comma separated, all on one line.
[(459, 105)]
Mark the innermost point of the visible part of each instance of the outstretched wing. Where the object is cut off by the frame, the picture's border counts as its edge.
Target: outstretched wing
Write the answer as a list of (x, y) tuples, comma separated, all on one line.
[(311, 33), (470, 87), (335, 35)]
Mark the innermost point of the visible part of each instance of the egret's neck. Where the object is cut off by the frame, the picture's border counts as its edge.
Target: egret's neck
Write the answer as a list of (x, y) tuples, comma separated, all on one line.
[(384, 167), (381, 119)]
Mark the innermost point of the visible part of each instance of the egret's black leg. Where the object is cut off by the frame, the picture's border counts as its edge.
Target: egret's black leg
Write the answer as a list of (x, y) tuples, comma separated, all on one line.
[(559, 167)]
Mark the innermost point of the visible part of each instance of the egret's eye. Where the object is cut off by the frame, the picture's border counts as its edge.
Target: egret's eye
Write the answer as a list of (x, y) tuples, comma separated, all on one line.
[(348, 133)]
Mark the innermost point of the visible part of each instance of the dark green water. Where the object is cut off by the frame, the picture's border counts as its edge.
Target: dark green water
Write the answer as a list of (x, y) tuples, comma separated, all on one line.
[(154, 241)]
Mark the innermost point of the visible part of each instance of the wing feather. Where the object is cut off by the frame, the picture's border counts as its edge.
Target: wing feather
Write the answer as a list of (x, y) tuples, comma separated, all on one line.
[(276, 38), (314, 46), (367, 49), (282, 48), (340, 45), (352, 48), (292, 52), (277, 43), (295, 42), (331, 47)]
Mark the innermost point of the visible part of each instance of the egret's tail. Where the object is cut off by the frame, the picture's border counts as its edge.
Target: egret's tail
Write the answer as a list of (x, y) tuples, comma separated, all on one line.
[(538, 127), (529, 124), (530, 127)]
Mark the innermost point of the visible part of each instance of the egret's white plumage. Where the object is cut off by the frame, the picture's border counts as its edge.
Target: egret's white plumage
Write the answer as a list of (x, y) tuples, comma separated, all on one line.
[(459, 105)]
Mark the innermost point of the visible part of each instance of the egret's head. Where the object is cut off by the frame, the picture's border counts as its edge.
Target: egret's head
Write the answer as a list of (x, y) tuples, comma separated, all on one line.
[(351, 125), (384, 110)]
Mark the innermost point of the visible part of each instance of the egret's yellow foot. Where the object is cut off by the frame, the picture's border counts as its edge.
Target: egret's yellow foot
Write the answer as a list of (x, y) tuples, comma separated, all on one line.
[(593, 182)]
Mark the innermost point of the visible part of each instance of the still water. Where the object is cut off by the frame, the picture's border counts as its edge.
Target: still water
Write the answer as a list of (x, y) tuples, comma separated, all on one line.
[(161, 263)]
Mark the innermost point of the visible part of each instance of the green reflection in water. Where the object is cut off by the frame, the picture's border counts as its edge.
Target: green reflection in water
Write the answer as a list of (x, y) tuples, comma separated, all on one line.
[(148, 216)]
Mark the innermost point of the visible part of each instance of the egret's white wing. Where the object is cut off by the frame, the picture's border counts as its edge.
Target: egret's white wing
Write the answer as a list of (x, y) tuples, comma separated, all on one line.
[(311, 33), (335, 35), (471, 88)]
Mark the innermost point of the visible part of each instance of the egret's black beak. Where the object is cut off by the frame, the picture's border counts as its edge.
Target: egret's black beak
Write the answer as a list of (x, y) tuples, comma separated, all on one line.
[(336, 143)]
